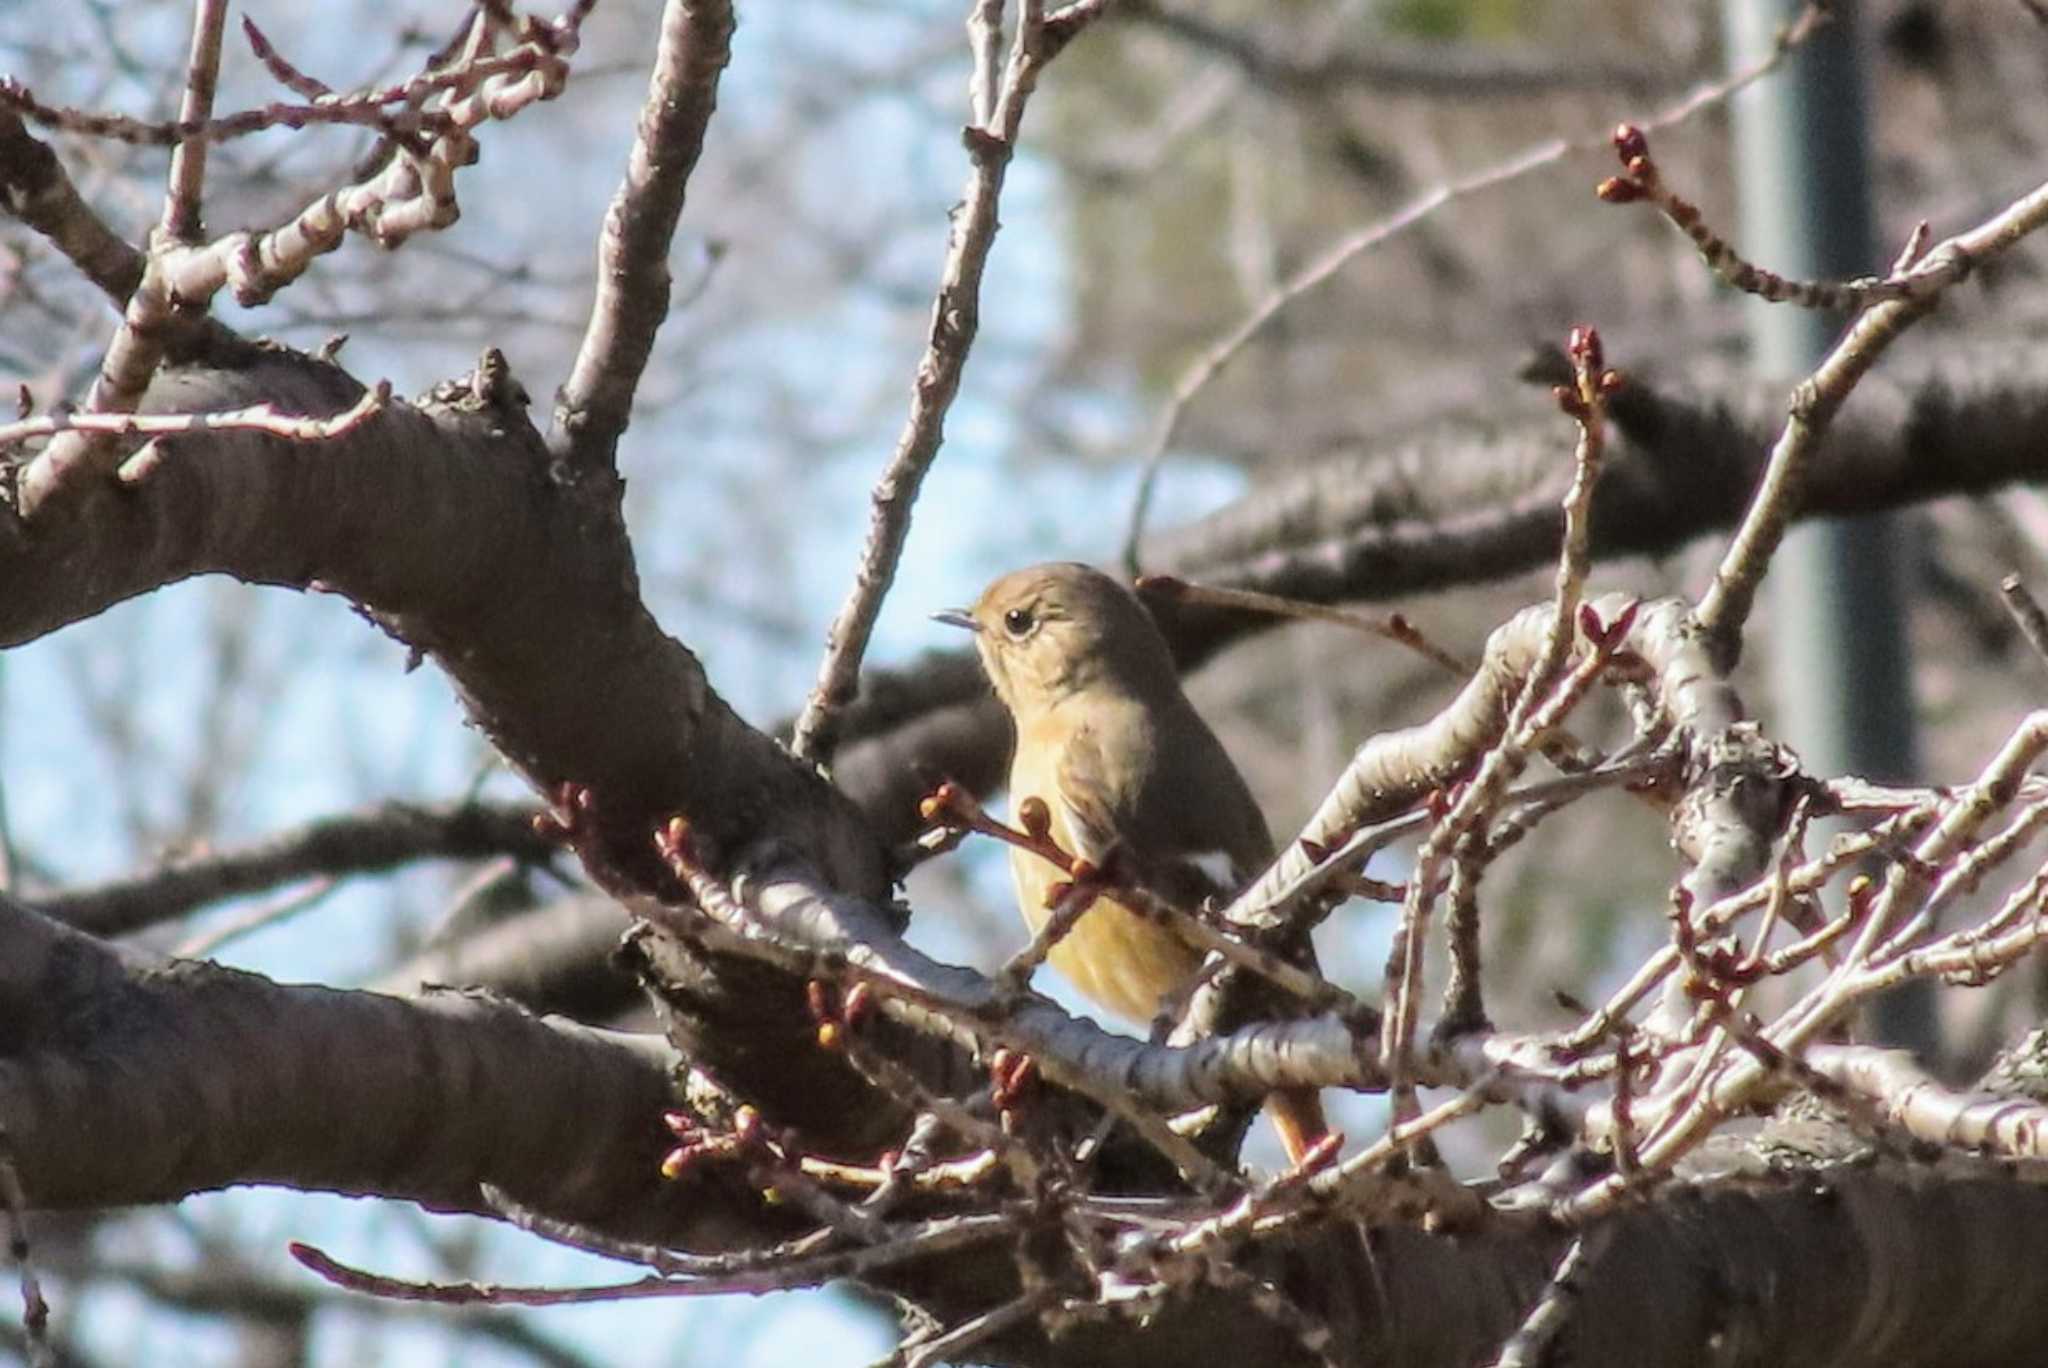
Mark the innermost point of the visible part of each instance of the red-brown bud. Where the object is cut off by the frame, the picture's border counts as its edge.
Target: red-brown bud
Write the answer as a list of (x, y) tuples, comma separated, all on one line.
[(1618, 190), (1584, 346), (747, 1125), (1035, 817)]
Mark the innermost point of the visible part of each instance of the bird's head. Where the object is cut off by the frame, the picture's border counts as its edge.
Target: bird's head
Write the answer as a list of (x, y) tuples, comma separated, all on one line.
[(1051, 631)]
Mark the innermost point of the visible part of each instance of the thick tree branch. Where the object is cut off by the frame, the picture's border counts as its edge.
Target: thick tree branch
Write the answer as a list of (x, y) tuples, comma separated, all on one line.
[(100, 1040), (186, 1077), (1461, 509), (554, 958), (522, 587)]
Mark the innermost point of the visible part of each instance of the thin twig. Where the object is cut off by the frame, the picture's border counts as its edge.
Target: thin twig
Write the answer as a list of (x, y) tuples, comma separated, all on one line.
[(956, 315), (948, 1348), (985, 49), (916, 1242), (1393, 627), (181, 218), (2027, 612), (35, 1309), (1529, 1346), (263, 418), (258, 918), (371, 839), (667, 1262), (1061, 919), (1725, 607), (1643, 181), (1585, 402), (204, 132)]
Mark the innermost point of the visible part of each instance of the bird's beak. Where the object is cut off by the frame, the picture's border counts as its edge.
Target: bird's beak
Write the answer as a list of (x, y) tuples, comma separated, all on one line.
[(957, 617)]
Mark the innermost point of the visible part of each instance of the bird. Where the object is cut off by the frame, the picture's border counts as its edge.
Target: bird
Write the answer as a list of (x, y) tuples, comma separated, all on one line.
[(1128, 772)]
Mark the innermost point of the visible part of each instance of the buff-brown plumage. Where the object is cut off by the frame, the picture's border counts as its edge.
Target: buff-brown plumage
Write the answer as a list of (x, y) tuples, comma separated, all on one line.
[(1121, 759)]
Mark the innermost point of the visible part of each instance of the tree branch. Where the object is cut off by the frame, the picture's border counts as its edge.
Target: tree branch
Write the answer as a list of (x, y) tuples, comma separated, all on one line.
[(554, 958), (377, 838), (956, 316), (1816, 401), (523, 588), (596, 402), (35, 189), (188, 1077)]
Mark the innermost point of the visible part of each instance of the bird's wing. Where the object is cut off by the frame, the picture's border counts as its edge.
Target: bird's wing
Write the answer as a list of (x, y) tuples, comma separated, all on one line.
[(1108, 825), (1089, 796)]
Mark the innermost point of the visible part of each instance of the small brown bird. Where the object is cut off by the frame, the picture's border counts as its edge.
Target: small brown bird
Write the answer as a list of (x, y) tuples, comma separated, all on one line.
[(1124, 763)]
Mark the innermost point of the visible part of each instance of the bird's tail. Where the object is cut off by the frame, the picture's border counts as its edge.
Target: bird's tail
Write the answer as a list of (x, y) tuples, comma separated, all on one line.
[(1297, 1114)]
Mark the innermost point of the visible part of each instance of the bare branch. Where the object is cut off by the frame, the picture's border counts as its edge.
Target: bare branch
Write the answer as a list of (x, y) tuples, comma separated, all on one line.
[(204, 132), (35, 189), (1725, 607), (262, 418), (596, 401), (1642, 180), (748, 1276), (956, 316), (181, 220), (2026, 610), (221, 1077), (413, 191), (35, 1309), (378, 838)]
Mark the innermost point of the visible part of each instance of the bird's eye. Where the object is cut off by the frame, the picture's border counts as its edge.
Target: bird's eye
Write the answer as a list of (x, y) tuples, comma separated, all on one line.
[(1018, 621)]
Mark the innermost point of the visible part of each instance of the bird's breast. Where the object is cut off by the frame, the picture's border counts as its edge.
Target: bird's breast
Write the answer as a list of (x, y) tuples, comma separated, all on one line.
[(1114, 956)]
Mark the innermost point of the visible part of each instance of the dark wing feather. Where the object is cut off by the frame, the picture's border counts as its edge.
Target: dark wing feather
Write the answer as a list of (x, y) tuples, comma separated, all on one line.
[(1175, 813), (1091, 798)]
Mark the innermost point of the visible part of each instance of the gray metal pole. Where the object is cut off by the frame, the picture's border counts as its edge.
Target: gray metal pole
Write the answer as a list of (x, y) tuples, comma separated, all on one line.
[(1841, 667)]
